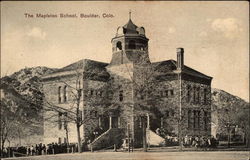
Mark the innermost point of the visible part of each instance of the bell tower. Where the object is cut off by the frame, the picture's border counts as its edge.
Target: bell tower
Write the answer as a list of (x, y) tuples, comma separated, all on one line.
[(130, 44)]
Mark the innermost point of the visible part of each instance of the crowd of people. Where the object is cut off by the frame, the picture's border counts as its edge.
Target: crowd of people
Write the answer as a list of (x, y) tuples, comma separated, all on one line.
[(193, 141), (200, 141), (55, 148), (39, 149)]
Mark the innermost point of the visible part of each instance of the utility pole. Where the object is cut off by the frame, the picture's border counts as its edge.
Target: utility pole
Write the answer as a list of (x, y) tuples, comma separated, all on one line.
[(180, 65)]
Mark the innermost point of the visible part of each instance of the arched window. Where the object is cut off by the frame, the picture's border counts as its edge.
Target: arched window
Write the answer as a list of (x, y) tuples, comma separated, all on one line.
[(131, 44), (65, 94), (59, 94), (142, 31), (119, 46), (121, 96)]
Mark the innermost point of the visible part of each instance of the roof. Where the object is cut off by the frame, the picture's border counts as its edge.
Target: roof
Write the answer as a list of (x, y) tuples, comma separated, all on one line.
[(92, 69), (169, 66), (85, 64), (130, 27)]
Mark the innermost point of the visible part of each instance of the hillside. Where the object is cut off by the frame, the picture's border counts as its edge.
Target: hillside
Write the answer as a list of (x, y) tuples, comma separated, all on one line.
[(21, 104), (226, 109), (27, 83)]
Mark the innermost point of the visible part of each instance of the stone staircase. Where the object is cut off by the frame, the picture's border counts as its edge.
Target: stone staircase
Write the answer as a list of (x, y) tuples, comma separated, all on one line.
[(108, 139)]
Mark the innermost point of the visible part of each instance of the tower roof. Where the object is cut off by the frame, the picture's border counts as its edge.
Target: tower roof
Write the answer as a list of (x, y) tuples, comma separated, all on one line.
[(130, 27)]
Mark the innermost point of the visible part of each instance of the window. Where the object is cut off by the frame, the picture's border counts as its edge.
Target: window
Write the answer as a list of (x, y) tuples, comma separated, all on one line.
[(172, 112), (59, 94), (194, 94), (140, 122), (188, 93), (205, 120), (167, 113), (65, 140), (131, 44), (166, 93), (205, 96), (161, 93), (198, 119), (121, 96), (189, 119), (65, 121), (119, 46), (195, 119), (65, 94), (91, 92), (198, 95), (59, 120), (171, 92)]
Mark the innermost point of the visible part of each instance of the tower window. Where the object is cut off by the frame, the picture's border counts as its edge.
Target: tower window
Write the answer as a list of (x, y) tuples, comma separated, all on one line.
[(119, 46), (131, 44)]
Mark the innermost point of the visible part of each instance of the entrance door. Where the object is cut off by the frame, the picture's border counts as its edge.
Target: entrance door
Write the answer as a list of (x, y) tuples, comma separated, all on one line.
[(105, 123)]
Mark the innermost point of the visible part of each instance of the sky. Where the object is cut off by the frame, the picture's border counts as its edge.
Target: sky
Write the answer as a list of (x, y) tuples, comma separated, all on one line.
[(214, 35)]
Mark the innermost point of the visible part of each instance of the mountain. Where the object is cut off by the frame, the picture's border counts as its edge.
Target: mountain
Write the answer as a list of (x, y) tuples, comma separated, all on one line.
[(21, 105), (27, 82), (227, 110)]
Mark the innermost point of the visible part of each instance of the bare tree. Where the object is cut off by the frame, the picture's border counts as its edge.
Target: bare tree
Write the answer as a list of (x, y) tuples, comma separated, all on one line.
[(15, 120), (235, 115)]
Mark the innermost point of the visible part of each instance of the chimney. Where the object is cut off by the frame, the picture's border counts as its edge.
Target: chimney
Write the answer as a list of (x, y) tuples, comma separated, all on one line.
[(180, 58)]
